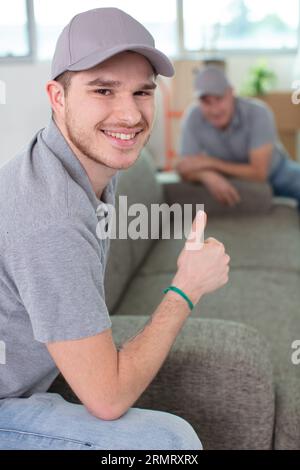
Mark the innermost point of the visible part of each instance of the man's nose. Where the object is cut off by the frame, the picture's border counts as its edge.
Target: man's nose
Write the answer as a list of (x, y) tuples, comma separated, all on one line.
[(216, 109), (127, 111)]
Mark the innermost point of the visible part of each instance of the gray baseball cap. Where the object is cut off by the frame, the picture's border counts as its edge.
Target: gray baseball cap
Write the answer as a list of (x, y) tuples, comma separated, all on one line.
[(211, 80), (96, 35)]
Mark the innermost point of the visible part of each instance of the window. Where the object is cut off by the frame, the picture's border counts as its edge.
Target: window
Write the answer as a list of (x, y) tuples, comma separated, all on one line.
[(240, 25), (159, 16), (14, 30), (178, 26)]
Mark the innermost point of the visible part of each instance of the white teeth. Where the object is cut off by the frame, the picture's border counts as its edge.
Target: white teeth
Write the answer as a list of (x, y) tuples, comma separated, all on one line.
[(117, 135)]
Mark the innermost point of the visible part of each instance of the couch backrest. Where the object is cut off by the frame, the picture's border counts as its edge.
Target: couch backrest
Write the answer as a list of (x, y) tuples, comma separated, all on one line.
[(256, 198), (140, 186)]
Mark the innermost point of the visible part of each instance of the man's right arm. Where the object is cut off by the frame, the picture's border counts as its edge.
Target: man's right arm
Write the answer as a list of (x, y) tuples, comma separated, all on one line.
[(108, 381)]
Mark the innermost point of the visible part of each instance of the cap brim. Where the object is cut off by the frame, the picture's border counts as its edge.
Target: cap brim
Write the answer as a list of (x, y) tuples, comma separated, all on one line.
[(160, 62)]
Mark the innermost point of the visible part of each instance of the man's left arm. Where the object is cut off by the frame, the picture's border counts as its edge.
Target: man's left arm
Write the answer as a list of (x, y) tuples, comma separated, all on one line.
[(256, 170)]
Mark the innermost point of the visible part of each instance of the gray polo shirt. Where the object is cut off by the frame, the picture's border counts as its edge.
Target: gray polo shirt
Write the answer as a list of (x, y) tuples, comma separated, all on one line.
[(251, 127), (51, 261)]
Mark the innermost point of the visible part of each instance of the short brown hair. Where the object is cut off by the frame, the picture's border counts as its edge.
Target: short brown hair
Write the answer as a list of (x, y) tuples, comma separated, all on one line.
[(65, 80)]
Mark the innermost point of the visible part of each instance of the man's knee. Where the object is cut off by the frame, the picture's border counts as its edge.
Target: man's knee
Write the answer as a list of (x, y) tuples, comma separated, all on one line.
[(166, 431), (180, 433)]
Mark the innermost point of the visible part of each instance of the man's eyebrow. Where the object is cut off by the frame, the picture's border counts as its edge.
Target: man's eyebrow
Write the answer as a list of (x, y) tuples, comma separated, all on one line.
[(101, 82), (117, 84), (148, 86)]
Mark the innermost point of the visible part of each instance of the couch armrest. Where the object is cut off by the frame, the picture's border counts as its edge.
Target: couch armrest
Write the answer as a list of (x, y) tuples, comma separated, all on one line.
[(218, 376), (256, 198), (287, 426)]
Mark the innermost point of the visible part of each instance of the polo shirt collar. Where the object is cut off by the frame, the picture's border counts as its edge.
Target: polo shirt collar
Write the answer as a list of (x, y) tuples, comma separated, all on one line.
[(55, 141)]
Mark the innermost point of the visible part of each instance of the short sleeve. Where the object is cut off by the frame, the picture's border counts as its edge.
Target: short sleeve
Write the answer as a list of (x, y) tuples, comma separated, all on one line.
[(59, 276), (262, 129), (190, 136)]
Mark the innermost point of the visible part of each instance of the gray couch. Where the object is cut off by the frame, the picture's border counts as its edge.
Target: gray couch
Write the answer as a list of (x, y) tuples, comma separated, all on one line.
[(229, 372)]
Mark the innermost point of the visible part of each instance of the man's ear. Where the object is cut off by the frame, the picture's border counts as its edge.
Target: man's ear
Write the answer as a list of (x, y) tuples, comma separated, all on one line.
[(56, 95)]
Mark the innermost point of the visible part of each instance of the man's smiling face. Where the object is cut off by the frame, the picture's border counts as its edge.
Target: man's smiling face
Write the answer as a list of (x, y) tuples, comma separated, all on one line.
[(109, 110)]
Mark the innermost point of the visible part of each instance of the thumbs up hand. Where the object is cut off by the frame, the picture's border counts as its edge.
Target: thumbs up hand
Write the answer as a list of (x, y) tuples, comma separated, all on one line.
[(203, 267)]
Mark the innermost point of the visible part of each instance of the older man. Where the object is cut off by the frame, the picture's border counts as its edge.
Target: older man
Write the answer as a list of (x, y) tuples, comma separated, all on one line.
[(224, 135)]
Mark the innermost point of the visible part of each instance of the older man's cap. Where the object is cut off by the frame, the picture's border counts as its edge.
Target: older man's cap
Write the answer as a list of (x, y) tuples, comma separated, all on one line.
[(97, 35), (211, 80)]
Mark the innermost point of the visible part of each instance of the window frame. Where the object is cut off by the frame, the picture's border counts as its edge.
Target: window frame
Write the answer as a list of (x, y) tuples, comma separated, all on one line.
[(30, 57), (182, 51)]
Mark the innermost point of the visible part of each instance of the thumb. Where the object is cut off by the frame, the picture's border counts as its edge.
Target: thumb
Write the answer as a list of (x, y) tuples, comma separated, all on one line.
[(195, 239)]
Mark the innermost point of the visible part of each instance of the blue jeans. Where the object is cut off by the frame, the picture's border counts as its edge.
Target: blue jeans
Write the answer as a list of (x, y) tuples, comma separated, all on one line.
[(285, 180), (45, 421)]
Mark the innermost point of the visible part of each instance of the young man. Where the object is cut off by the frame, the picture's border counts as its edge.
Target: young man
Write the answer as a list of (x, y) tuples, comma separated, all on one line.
[(52, 309), (224, 135)]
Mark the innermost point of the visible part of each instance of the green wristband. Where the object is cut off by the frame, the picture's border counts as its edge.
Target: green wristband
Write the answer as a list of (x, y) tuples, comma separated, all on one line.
[(180, 292)]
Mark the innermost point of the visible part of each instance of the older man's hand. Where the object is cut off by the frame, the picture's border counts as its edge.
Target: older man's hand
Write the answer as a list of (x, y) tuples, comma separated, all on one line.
[(220, 188), (195, 163)]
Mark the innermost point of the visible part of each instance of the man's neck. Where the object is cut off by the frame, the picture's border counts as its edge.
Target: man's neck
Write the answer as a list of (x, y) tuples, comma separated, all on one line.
[(98, 174)]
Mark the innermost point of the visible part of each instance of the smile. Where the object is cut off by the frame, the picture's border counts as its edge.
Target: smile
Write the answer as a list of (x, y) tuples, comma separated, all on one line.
[(121, 139), (121, 136)]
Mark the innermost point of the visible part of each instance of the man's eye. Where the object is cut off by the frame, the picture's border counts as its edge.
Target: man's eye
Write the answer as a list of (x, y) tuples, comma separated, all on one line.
[(142, 93), (103, 91)]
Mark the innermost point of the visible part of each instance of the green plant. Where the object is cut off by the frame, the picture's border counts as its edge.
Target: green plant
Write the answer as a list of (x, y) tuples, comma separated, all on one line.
[(261, 80)]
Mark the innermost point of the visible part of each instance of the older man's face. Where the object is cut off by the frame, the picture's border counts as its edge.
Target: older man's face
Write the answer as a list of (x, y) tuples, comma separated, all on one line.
[(109, 110), (218, 110)]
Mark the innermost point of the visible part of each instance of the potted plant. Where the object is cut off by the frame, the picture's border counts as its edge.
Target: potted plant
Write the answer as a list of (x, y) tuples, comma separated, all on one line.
[(260, 81)]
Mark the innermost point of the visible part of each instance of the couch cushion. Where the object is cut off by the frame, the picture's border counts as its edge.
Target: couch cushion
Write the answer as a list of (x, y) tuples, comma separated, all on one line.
[(255, 197), (287, 423), (118, 272), (268, 301), (144, 294), (126, 254), (140, 186), (269, 241)]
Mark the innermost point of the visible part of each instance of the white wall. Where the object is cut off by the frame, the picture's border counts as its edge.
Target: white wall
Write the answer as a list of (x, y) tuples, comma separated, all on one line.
[(283, 65), (27, 110)]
